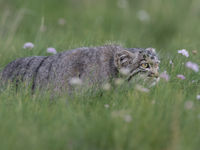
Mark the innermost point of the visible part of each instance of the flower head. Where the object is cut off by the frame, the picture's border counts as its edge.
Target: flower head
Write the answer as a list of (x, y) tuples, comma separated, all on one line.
[(188, 105), (192, 66), (51, 50), (106, 105), (28, 45), (127, 118), (180, 76), (142, 89), (119, 81), (184, 52), (143, 16), (170, 62), (165, 76), (106, 86), (122, 4), (75, 81), (198, 97), (61, 21), (124, 71)]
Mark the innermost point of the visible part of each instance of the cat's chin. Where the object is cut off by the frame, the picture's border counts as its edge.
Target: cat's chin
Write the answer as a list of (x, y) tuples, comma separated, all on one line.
[(147, 80)]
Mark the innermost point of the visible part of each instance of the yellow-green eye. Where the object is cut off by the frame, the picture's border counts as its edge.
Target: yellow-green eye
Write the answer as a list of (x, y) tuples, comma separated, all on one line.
[(145, 65)]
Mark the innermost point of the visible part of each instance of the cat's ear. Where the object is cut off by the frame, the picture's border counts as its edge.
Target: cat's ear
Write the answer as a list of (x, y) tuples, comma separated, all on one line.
[(123, 58)]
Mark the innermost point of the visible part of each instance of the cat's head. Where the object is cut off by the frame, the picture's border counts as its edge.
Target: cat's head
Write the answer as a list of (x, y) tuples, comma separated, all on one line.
[(137, 61)]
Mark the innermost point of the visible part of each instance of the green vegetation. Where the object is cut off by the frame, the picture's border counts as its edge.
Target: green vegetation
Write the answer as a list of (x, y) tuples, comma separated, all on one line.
[(167, 117)]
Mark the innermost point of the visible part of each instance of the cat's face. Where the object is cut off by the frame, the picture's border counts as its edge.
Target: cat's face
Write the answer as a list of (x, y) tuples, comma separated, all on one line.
[(149, 62), (138, 61)]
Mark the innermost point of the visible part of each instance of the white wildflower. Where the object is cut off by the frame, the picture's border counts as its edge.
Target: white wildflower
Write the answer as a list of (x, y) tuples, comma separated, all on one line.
[(127, 118), (143, 16), (142, 89), (180, 76), (124, 71), (28, 45), (188, 105), (192, 66), (61, 21), (106, 105), (51, 50), (119, 81), (165, 76), (184, 52), (193, 81), (75, 81), (198, 97), (122, 4), (106, 86), (171, 62)]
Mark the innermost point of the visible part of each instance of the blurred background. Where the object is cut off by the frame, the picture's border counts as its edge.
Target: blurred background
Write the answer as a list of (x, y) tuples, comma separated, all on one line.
[(168, 117), (166, 25)]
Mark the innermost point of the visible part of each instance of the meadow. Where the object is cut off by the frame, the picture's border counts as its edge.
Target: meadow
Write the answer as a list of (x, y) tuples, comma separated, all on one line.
[(165, 117)]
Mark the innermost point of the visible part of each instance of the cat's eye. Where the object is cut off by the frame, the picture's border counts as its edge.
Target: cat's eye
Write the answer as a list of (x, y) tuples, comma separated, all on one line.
[(145, 65)]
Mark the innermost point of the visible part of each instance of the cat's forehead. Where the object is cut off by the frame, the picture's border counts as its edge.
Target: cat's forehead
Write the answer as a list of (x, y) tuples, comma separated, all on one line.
[(150, 55), (147, 54)]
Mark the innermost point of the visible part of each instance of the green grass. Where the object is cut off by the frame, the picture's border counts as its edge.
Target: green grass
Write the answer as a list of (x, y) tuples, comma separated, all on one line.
[(160, 120)]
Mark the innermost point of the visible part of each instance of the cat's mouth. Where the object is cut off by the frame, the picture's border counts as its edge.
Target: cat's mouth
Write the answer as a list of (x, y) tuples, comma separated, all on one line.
[(148, 75), (133, 73)]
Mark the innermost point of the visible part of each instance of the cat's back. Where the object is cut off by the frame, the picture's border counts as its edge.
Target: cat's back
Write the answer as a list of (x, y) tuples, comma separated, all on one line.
[(41, 70)]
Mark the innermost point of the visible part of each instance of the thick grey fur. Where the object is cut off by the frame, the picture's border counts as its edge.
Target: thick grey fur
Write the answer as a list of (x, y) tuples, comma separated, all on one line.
[(92, 64)]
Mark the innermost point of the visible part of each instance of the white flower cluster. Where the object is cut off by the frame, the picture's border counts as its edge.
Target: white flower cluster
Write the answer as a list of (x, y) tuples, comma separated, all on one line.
[(29, 45)]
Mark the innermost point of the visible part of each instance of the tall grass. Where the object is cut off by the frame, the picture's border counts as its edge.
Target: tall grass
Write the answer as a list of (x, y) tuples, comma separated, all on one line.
[(167, 117)]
